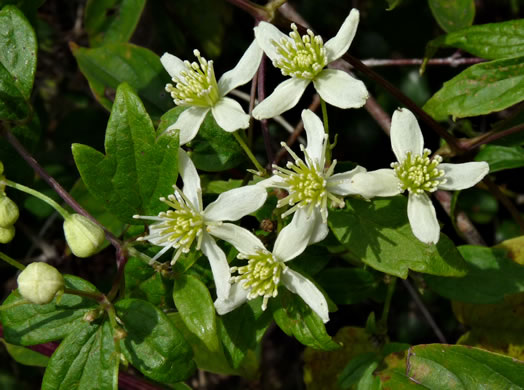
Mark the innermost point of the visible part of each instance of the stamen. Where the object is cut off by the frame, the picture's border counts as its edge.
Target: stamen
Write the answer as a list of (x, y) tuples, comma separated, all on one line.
[(419, 174)]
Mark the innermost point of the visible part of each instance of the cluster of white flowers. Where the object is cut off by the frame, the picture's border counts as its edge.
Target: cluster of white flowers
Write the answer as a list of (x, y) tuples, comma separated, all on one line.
[(311, 186)]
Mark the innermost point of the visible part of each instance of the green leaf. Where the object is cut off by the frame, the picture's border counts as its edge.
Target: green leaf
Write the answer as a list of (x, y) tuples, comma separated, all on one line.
[(500, 158), (36, 324), (107, 66), (153, 345), (17, 63), (137, 168), (297, 319), (480, 89), (26, 356), (378, 233), (111, 21), (144, 282), (452, 15), (28, 7), (85, 359), (392, 4), (393, 373), (480, 205), (492, 275), (440, 366), (195, 305)]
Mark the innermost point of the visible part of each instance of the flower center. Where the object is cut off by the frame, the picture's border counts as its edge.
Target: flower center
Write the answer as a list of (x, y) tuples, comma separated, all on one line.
[(303, 57), (261, 275), (195, 86), (419, 174)]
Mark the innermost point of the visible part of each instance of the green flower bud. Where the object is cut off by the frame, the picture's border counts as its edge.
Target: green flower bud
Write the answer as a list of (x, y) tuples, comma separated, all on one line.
[(8, 212), (39, 283), (6, 234), (83, 236)]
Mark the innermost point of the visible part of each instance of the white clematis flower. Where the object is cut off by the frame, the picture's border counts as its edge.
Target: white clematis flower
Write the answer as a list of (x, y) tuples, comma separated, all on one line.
[(189, 221), (304, 59), (266, 271), (310, 185), (416, 172), (196, 87)]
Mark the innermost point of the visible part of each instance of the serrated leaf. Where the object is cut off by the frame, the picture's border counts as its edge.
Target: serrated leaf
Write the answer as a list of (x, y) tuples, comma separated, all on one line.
[(440, 366), (137, 169), (144, 282), (452, 15), (36, 324), (17, 63), (111, 21), (500, 157), (107, 66), (479, 90), (378, 233), (85, 359), (26, 356), (153, 345)]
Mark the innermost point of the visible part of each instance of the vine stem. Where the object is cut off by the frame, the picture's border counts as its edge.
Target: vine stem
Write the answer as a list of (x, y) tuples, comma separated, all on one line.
[(490, 136), (12, 261), (383, 322), (96, 296), (451, 61), (249, 153)]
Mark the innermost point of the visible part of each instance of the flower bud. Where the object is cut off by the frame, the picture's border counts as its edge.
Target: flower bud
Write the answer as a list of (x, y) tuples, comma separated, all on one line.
[(83, 236), (6, 234), (8, 212), (39, 283)]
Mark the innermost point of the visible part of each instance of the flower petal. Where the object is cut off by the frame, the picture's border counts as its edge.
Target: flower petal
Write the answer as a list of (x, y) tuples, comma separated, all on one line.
[(219, 265), (316, 137), (381, 182), (191, 179), (423, 219), (294, 238), (240, 238), (274, 181), (234, 204), (172, 64), (229, 115), (337, 46), (460, 176), (285, 96), (340, 89), (237, 296), (340, 183), (320, 230), (306, 290), (406, 135), (188, 123), (243, 71), (265, 34)]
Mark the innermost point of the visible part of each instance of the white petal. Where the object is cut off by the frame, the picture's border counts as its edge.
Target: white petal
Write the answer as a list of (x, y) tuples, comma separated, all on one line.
[(460, 176), (188, 123), (265, 34), (189, 174), (340, 183), (316, 137), (240, 238), (381, 182), (229, 115), (285, 96), (237, 296), (406, 135), (320, 230), (340, 89), (337, 46), (219, 265), (294, 238), (273, 181), (302, 286), (243, 72), (234, 204), (172, 64), (423, 219)]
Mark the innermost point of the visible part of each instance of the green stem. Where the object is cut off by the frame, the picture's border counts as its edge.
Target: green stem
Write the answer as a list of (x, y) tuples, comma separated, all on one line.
[(326, 129), (63, 212), (14, 304), (139, 255), (96, 296), (12, 262), (249, 153), (383, 322)]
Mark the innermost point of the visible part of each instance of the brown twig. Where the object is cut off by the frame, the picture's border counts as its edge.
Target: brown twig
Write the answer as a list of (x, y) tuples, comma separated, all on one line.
[(378, 113), (451, 61), (256, 11), (488, 137)]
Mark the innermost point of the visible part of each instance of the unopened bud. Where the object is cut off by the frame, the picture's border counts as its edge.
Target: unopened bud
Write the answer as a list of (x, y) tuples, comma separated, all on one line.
[(92, 315), (6, 234), (119, 334), (83, 236), (40, 282), (8, 212)]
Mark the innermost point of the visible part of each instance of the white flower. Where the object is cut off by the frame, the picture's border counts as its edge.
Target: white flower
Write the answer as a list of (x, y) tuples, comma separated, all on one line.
[(304, 59), (189, 221), (310, 185), (418, 174), (265, 270), (196, 87)]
